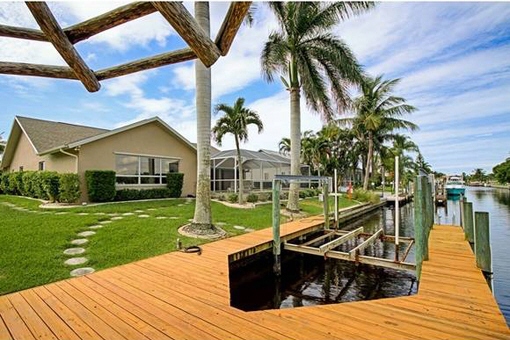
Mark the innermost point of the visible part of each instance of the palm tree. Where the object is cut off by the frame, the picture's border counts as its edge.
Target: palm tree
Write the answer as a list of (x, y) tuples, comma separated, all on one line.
[(306, 55), (422, 164), (284, 146), (236, 120), (202, 219), (376, 114)]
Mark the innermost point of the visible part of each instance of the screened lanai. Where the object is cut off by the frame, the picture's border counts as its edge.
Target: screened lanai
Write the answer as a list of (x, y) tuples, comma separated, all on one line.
[(259, 168)]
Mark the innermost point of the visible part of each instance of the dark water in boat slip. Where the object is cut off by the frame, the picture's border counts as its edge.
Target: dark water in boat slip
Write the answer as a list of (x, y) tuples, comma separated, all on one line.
[(309, 280), (497, 203)]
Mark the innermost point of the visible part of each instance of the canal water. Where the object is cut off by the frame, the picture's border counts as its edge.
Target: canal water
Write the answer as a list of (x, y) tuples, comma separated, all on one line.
[(310, 280), (497, 203)]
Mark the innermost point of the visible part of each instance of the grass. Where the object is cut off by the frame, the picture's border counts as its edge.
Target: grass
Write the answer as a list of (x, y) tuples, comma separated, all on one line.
[(33, 241)]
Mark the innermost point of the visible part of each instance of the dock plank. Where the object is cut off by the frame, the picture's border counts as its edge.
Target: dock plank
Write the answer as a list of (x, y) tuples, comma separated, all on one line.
[(186, 296)]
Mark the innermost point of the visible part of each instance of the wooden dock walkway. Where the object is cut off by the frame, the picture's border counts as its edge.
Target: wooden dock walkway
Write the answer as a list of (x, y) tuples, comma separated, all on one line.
[(186, 296)]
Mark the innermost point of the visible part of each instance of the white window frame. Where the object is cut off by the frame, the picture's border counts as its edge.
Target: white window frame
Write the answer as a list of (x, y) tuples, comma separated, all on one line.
[(139, 170)]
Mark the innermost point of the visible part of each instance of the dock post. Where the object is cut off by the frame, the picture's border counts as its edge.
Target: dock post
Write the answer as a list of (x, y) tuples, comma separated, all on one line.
[(277, 268), (325, 202), (482, 242), (420, 230), (336, 199), (428, 211), (468, 221), (461, 206)]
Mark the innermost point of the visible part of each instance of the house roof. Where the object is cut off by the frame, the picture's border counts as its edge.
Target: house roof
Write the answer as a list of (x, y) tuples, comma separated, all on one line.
[(251, 159), (46, 135), (49, 137)]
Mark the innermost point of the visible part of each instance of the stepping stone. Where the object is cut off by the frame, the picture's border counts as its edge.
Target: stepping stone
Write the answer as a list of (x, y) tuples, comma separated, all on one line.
[(220, 223), (128, 214), (86, 233), (113, 214), (105, 222), (249, 230), (100, 214), (161, 218), (180, 205), (79, 241), (97, 226), (115, 218), (82, 214), (74, 251), (139, 211), (238, 227), (81, 271), (62, 213), (152, 209), (173, 218), (75, 261), (143, 216)]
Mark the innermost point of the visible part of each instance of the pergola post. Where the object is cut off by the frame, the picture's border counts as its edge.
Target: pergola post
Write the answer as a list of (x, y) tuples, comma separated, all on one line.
[(235, 175), (261, 185)]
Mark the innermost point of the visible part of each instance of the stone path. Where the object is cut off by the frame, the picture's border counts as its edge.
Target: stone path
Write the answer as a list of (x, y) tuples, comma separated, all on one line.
[(77, 245)]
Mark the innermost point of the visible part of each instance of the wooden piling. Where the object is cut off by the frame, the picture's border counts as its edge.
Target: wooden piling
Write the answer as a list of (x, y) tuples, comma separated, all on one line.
[(325, 202), (420, 220), (482, 242), (277, 268), (468, 221)]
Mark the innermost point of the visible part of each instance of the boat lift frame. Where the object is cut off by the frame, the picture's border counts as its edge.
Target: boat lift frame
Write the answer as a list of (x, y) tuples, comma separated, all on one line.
[(327, 249)]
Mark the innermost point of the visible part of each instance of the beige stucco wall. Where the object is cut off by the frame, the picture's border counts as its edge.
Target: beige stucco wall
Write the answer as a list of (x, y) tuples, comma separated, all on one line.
[(25, 156), (150, 139)]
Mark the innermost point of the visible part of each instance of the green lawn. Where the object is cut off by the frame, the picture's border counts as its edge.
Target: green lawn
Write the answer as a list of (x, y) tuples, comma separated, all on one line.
[(33, 241)]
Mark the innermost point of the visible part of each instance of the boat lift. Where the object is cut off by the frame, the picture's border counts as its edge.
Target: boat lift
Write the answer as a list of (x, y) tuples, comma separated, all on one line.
[(334, 237)]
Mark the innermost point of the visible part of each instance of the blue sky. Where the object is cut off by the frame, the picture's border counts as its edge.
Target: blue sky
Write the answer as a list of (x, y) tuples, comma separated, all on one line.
[(453, 58)]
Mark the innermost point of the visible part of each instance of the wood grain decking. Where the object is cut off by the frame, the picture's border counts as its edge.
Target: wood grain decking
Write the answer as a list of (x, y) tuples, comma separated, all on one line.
[(186, 296)]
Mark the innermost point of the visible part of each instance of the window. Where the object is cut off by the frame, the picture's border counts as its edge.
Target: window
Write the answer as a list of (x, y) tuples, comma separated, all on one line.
[(134, 170), (41, 166)]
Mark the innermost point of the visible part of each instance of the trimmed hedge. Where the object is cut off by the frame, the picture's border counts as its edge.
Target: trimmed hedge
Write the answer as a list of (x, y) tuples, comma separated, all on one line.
[(50, 183), (252, 198), (100, 185), (69, 188), (142, 194), (174, 182)]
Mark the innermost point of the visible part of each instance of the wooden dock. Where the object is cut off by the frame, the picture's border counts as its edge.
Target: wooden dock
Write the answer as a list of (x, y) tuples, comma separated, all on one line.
[(186, 296)]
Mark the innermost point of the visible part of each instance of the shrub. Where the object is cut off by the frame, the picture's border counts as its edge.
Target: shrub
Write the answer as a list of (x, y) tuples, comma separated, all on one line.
[(174, 182), (4, 182), (100, 185), (252, 198), (284, 195), (365, 196), (27, 184), (15, 183), (233, 198), (50, 184), (135, 194), (69, 188)]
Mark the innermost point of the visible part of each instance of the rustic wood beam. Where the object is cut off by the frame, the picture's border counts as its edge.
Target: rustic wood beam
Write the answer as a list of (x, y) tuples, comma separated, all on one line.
[(37, 70), (233, 20), (182, 21), (105, 21), (57, 37), (147, 63), (22, 33)]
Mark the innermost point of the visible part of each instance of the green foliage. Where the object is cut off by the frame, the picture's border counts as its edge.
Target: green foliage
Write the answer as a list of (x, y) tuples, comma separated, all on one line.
[(69, 188), (143, 194), (252, 198), (50, 184), (100, 185), (15, 183), (502, 172), (4, 182), (174, 182), (232, 198), (365, 196), (27, 183)]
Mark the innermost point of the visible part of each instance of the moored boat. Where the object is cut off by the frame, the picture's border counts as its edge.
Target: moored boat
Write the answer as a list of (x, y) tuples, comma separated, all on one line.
[(455, 186)]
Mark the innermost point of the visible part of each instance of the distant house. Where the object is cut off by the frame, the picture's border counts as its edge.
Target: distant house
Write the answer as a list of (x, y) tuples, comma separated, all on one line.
[(140, 153)]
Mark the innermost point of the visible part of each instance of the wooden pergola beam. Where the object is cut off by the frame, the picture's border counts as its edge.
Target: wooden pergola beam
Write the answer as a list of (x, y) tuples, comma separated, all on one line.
[(105, 21), (65, 48), (233, 20), (22, 33), (187, 27), (162, 59), (26, 69)]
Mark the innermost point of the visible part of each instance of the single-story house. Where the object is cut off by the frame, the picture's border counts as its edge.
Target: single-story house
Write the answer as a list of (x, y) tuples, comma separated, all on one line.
[(140, 153)]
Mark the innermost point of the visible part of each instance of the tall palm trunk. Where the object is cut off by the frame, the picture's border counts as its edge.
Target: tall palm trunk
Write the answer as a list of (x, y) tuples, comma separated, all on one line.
[(369, 160), (295, 147), (202, 217), (240, 167)]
